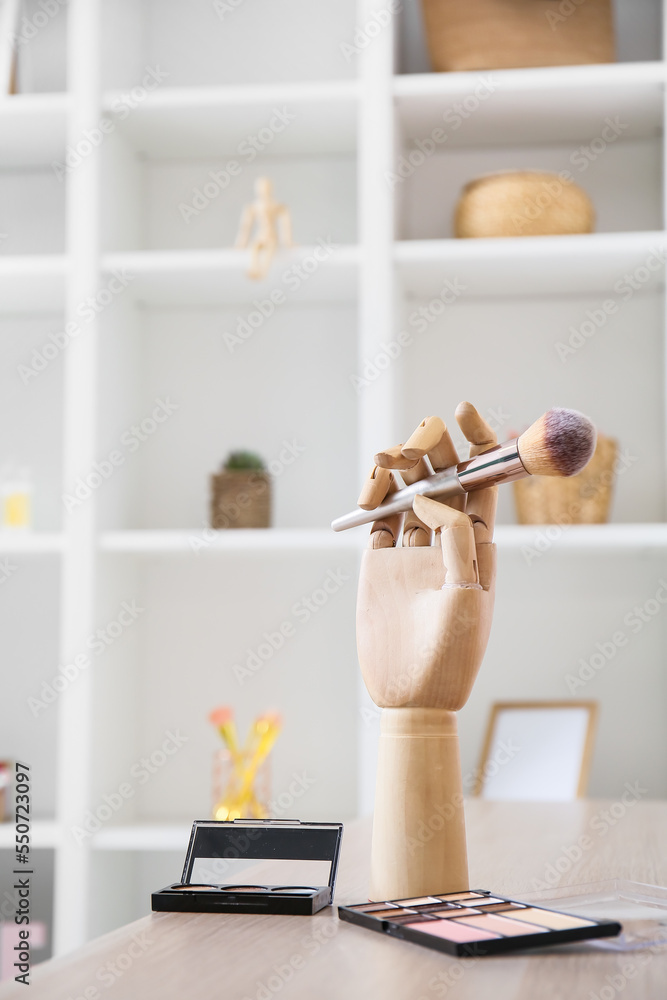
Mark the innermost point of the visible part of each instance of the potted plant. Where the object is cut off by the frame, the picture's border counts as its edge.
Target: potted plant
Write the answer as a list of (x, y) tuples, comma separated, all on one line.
[(241, 493)]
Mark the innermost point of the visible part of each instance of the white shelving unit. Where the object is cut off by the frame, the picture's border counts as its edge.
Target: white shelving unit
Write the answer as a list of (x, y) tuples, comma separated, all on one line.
[(204, 603)]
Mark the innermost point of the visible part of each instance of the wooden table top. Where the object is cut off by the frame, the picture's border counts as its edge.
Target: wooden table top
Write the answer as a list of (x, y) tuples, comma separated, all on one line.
[(248, 957)]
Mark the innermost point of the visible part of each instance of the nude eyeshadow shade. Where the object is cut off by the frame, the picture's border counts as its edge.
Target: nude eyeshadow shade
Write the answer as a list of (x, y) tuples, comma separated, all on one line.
[(474, 923)]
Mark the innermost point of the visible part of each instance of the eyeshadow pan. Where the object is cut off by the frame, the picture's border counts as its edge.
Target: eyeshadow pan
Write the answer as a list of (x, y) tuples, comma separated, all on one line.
[(413, 918), (453, 930), (417, 901), (500, 925), (461, 895), (439, 907), (398, 912), (460, 911), (554, 921), (373, 907), (244, 888), (491, 907)]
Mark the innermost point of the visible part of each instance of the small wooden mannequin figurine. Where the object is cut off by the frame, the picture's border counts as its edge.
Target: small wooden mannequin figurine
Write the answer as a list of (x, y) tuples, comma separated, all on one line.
[(423, 621), (265, 214)]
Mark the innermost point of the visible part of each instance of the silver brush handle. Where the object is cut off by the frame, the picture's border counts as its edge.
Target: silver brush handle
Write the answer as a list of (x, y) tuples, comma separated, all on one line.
[(442, 484), (501, 464)]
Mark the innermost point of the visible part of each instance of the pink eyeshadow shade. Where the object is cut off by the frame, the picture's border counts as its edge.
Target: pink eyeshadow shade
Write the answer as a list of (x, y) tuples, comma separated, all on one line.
[(452, 930), (500, 925)]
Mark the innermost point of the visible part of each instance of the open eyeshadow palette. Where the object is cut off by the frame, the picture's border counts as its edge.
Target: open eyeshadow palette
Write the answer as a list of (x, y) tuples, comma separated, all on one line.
[(475, 922), (256, 866)]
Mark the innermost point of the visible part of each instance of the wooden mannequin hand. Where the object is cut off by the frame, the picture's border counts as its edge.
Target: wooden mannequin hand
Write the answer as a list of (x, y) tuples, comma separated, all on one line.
[(424, 610)]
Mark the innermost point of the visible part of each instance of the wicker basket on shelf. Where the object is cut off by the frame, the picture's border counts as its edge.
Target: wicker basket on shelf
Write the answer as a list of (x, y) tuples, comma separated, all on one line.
[(506, 34), (581, 499), (522, 203)]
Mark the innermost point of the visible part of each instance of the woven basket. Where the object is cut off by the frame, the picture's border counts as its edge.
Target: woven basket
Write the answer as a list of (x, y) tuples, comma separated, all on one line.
[(581, 499), (522, 203), (505, 34), (241, 500)]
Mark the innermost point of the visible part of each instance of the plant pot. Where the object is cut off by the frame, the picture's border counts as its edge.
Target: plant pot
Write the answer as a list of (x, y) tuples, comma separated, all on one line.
[(505, 34), (581, 499), (522, 203), (241, 499)]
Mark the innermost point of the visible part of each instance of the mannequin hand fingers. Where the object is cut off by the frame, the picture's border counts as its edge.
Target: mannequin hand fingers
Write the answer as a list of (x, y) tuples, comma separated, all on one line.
[(481, 503), (457, 538), (376, 488)]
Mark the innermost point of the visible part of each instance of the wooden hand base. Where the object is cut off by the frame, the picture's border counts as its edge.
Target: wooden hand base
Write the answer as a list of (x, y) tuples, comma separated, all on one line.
[(419, 843)]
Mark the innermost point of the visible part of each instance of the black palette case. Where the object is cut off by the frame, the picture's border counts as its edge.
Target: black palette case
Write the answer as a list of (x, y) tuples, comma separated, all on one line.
[(256, 866)]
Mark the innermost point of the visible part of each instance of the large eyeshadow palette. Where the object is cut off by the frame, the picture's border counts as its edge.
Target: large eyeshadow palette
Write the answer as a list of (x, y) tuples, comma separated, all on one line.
[(475, 922), (256, 866)]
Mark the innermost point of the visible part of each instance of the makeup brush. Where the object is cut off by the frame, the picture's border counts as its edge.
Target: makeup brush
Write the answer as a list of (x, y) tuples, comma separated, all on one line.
[(560, 443)]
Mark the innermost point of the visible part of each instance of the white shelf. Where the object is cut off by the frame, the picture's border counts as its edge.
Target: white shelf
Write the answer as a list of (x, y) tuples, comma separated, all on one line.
[(547, 265), (29, 542), (33, 129), (215, 121), (551, 104), (213, 277), (43, 833), (143, 837), (199, 541), (580, 538), (583, 538), (30, 284)]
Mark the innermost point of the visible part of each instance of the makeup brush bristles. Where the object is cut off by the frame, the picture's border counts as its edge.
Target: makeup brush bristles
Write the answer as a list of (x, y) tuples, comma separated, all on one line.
[(560, 443)]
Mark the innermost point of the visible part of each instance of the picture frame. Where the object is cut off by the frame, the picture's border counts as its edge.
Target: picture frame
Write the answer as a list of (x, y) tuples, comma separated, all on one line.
[(537, 750)]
